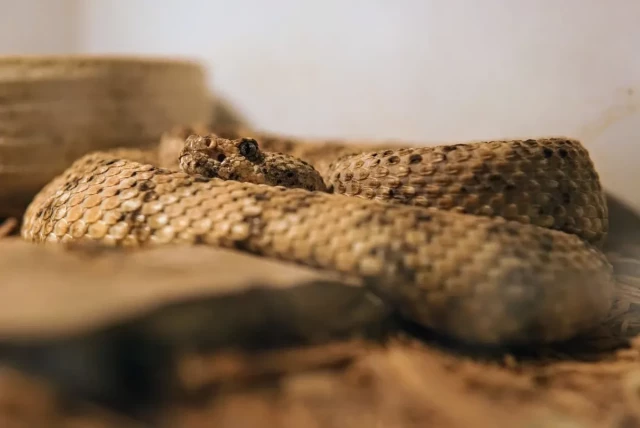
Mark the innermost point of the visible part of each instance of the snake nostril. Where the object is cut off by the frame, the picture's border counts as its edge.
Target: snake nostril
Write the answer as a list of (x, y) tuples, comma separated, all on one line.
[(221, 157)]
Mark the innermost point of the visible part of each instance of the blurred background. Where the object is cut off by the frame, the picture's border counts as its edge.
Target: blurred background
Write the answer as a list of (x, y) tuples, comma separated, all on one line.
[(421, 70)]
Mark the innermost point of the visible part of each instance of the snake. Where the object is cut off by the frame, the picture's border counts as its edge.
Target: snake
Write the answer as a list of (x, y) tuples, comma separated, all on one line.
[(495, 242)]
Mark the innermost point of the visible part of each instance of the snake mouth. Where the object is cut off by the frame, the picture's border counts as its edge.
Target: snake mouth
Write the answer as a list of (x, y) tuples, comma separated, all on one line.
[(213, 153), (215, 161), (238, 168)]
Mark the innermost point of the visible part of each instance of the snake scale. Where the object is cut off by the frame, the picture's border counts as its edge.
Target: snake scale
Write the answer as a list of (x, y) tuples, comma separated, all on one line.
[(495, 242)]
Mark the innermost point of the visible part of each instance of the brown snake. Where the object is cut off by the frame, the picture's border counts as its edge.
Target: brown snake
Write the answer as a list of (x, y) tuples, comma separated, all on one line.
[(441, 232)]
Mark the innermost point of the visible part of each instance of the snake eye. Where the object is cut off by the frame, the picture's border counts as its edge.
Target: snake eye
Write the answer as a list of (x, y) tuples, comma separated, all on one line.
[(248, 148)]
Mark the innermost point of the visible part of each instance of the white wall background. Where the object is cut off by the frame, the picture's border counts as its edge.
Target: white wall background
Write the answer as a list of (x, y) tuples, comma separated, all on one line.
[(425, 70), (38, 26)]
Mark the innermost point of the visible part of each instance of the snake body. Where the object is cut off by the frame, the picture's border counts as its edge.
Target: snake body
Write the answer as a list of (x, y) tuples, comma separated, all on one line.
[(489, 242)]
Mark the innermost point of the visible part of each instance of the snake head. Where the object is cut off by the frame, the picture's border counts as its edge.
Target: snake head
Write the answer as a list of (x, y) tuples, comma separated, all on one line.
[(242, 160), (206, 155)]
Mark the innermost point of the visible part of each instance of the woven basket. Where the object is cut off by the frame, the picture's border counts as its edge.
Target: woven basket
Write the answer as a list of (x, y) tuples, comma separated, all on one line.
[(55, 109)]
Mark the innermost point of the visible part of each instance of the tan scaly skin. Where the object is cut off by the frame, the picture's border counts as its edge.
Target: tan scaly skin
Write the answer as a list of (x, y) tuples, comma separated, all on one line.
[(439, 232)]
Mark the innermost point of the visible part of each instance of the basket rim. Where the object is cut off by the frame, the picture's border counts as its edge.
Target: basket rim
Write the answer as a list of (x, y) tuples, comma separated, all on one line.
[(114, 58)]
